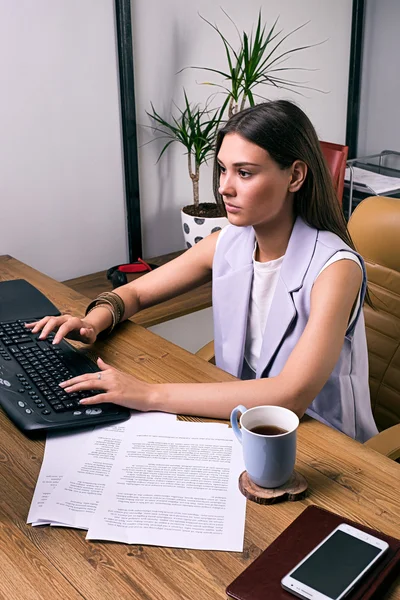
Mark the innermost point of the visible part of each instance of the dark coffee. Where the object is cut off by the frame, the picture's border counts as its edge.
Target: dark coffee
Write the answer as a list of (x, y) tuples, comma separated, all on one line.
[(268, 430)]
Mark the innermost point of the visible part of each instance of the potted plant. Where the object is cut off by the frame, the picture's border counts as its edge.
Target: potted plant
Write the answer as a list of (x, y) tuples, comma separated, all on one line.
[(194, 127), (257, 61)]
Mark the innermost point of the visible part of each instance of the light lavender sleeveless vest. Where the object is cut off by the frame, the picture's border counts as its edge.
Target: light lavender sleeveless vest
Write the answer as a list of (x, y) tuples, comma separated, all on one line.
[(344, 401)]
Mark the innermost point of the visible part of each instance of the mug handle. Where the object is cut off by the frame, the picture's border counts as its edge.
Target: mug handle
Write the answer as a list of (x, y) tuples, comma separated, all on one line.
[(234, 421)]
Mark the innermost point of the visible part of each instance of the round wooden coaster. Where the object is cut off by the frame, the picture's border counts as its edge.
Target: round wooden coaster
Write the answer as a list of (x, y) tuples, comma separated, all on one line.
[(292, 490)]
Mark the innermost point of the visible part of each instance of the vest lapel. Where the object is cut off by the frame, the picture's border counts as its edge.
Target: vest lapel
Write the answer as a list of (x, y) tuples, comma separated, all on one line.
[(232, 312), (283, 312), (232, 292)]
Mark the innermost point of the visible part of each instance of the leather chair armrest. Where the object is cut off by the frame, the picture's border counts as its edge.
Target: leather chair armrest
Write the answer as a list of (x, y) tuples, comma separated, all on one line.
[(387, 442), (207, 352)]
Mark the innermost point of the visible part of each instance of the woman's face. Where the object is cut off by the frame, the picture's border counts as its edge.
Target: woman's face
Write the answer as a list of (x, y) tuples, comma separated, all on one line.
[(255, 190)]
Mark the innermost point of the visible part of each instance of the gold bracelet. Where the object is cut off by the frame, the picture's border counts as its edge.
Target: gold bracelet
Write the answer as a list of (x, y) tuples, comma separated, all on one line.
[(116, 302), (115, 305), (111, 302), (98, 301)]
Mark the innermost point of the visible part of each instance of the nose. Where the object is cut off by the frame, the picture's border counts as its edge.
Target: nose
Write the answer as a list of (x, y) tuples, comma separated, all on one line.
[(226, 187)]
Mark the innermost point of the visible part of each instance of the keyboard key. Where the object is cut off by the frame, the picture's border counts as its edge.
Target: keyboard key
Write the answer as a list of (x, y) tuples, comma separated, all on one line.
[(94, 411), (44, 346), (69, 404), (26, 346)]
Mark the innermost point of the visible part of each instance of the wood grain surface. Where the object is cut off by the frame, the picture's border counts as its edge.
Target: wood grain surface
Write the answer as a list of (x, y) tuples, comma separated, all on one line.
[(55, 563)]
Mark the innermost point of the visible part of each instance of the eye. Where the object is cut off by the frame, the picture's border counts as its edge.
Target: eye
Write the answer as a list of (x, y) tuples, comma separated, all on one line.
[(222, 169), (244, 174)]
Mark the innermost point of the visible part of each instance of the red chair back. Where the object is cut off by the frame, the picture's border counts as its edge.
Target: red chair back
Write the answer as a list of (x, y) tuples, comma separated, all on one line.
[(336, 157)]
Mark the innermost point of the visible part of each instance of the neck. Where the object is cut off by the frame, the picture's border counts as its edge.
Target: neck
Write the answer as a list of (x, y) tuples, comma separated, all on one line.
[(273, 238)]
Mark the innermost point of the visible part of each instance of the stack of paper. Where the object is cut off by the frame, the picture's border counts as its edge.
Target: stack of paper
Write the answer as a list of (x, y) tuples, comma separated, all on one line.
[(150, 480), (376, 183)]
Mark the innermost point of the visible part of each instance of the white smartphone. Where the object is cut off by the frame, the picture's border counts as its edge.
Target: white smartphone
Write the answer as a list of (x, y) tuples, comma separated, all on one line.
[(335, 566)]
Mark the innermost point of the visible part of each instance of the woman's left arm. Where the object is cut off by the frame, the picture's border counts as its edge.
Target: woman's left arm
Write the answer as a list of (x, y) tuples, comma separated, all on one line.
[(303, 376)]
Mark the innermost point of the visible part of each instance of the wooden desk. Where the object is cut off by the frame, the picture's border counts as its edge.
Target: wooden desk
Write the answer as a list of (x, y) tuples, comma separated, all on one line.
[(50, 563)]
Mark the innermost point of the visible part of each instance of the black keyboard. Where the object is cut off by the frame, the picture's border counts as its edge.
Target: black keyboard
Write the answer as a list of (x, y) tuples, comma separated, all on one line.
[(30, 373)]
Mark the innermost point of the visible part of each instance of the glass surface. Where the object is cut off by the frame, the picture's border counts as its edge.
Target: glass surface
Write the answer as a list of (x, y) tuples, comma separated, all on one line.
[(332, 568), (385, 163)]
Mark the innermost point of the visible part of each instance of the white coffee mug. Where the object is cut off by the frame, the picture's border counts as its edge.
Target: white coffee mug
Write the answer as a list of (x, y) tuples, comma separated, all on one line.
[(269, 456)]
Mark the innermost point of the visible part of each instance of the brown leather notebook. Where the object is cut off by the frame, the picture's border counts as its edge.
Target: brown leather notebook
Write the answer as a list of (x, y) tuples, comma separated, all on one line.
[(262, 579)]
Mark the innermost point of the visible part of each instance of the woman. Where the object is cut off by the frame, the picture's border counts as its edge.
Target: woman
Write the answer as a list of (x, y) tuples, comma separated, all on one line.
[(288, 288)]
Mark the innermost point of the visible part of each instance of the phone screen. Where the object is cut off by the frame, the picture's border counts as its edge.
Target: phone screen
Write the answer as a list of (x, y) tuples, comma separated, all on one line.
[(332, 568)]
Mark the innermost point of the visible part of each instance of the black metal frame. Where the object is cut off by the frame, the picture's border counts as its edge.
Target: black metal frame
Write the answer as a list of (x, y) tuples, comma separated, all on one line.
[(353, 100), (128, 118)]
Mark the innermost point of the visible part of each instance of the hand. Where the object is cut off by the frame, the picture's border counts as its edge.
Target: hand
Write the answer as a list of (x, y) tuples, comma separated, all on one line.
[(114, 386), (65, 326)]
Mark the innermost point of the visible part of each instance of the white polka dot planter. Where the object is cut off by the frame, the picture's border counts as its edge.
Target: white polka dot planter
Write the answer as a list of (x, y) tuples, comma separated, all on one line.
[(196, 228)]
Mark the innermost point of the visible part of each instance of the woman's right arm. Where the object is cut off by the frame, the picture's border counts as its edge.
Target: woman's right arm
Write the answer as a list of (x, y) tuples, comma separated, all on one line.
[(187, 271)]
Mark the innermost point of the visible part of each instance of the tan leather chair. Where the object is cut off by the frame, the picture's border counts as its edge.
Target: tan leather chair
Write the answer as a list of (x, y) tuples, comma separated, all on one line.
[(375, 229)]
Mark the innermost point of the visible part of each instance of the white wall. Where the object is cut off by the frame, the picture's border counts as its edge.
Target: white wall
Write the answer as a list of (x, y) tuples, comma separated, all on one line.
[(61, 173), (379, 126), (169, 35)]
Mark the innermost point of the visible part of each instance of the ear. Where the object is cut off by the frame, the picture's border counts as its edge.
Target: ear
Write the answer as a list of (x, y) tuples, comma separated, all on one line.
[(298, 175)]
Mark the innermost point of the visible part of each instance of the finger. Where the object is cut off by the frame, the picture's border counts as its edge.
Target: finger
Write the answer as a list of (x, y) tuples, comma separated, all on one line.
[(103, 366), (98, 399), (64, 329), (37, 325), (48, 328), (84, 386), (87, 334), (79, 379)]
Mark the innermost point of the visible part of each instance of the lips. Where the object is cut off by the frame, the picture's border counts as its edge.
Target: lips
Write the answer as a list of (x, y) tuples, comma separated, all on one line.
[(231, 208)]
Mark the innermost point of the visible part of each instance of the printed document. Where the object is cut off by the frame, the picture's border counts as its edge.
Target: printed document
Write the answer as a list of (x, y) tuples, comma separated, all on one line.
[(60, 451), (175, 486), (151, 480), (74, 469)]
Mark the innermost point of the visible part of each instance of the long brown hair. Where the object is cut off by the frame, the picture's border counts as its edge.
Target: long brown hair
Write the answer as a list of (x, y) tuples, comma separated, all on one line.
[(287, 134)]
